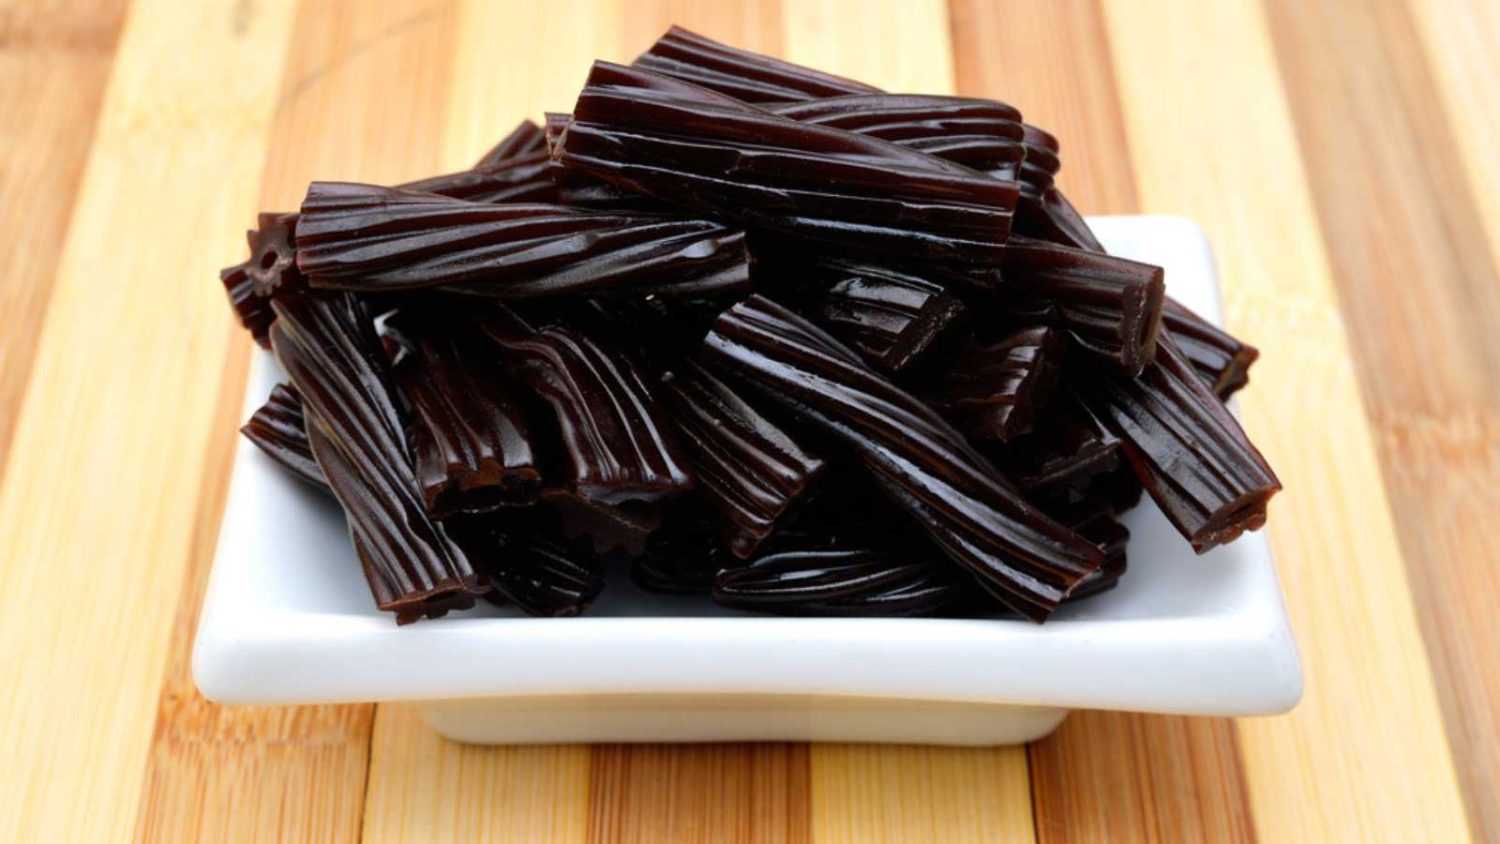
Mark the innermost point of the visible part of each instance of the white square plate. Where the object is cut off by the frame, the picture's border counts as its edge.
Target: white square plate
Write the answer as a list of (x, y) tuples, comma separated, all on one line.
[(288, 619)]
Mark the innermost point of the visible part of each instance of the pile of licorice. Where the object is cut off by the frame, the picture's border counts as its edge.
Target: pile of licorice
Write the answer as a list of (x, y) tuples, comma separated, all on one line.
[(764, 333)]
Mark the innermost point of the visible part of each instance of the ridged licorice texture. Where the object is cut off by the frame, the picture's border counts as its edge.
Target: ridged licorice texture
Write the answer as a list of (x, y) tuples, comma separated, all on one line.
[(469, 440), (702, 150), (376, 240), (976, 517), (747, 466), (997, 391), (839, 582), (891, 317), (1221, 358), (747, 76), (1188, 452), (1111, 307), (618, 444), (329, 348), (279, 429)]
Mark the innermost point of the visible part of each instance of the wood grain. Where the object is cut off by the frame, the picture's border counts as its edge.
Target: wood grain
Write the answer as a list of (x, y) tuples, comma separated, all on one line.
[(54, 63), (101, 487), (717, 792), (1395, 207), (425, 788), (863, 793), (1363, 755), (360, 98), (1166, 776)]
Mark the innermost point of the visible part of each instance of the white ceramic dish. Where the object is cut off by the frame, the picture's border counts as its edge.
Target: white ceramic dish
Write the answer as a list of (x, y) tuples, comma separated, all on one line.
[(288, 619)]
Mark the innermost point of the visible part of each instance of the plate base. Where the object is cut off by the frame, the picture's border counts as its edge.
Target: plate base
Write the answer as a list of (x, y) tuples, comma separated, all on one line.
[(705, 718)]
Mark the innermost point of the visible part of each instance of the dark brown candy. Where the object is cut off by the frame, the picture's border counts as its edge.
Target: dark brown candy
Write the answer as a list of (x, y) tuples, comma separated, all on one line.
[(279, 429), (540, 576), (1189, 453), (253, 311), (617, 528), (1221, 359), (271, 268), (373, 239), (985, 135), (468, 438), (741, 74), (1063, 456), (748, 468), (683, 557), (1043, 212), (329, 348), (693, 147), (525, 178), (1094, 519), (998, 391), (618, 445), (517, 169), (892, 317), (1110, 306), (976, 517), (526, 139), (858, 581)]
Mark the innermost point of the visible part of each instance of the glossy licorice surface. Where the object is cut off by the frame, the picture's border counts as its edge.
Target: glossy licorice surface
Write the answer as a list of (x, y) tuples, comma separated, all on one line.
[(976, 517), (618, 444), (526, 139), (998, 391), (373, 239), (468, 437), (1094, 519), (747, 466), (695, 148), (271, 268), (328, 347), (1110, 306), (985, 135), (1189, 453), (892, 317), (1221, 358), (540, 576), (1061, 457), (741, 74), (279, 429), (517, 169), (858, 581), (685, 554), (1043, 212)]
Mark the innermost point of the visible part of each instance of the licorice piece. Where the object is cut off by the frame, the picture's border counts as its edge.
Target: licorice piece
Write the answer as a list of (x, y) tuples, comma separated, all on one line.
[(279, 429), (998, 391), (976, 517)]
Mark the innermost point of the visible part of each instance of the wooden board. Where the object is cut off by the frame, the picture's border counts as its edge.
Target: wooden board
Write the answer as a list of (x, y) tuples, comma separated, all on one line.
[(140, 137)]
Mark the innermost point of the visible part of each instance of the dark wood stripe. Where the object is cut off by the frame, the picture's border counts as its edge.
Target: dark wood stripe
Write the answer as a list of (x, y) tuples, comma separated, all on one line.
[(362, 98), (1420, 294), (1101, 776), (721, 793), (54, 65)]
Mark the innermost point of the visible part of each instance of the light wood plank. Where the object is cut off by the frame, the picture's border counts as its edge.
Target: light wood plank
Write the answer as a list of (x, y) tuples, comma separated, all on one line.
[(717, 792), (908, 793), (1427, 354), (1364, 754), (361, 98), (868, 793), (54, 63), (99, 497), (426, 788), (1167, 777)]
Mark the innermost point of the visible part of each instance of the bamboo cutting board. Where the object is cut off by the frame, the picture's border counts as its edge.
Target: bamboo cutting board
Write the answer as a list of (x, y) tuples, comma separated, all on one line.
[(1341, 156)]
